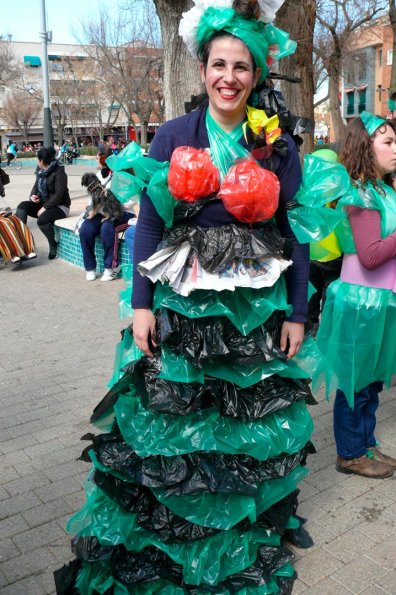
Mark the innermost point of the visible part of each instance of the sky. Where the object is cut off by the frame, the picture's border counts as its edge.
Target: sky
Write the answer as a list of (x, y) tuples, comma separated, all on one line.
[(23, 19)]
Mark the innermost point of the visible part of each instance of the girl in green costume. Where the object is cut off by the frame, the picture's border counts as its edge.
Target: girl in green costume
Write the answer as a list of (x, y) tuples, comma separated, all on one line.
[(358, 326)]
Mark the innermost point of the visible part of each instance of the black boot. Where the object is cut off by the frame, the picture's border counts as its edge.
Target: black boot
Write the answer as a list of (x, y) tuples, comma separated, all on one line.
[(49, 232), (22, 215)]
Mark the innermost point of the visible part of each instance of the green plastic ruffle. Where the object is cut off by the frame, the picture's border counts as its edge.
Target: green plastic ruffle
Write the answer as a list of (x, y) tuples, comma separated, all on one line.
[(125, 309), (323, 181), (126, 187), (97, 578), (209, 560), (311, 225), (357, 337), (223, 511), (101, 517), (285, 431), (125, 158), (177, 368), (245, 307), (126, 352)]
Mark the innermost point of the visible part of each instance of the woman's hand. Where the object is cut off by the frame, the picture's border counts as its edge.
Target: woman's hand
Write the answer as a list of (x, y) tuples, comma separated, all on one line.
[(144, 323), (35, 198), (292, 336)]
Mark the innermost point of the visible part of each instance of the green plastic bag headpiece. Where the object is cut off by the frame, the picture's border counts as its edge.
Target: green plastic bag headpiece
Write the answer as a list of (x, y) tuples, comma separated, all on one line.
[(265, 42), (392, 104), (371, 122)]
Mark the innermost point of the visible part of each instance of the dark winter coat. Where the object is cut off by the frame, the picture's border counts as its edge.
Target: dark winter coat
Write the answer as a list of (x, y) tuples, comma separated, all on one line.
[(57, 190)]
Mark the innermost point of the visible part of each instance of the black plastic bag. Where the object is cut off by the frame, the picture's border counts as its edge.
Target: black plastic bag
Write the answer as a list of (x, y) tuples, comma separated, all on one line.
[(65, 578), (202, 339), (90, 549), (195, 472), (178, 398), (134, 568), (156, 517), (137, 568), (217, 247)]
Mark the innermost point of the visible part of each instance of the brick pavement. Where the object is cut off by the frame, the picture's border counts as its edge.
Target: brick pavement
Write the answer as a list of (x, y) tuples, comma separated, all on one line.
[(58, 334)]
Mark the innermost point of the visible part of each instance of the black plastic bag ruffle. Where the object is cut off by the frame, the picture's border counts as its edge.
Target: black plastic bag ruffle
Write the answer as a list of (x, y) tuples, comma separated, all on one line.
[(65, 578), (185, 210), (137, 568), (216, 247), (201, 339), (151, 514), (195, 472), (156, 517), (134, 568), (178, 398)]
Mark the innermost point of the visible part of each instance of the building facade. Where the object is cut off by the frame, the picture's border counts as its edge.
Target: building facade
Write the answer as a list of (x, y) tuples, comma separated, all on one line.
[(82, 105), (367, 70)]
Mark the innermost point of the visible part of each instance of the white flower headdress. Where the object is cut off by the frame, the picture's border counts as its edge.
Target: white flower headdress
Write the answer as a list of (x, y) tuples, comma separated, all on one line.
[(188, 27)]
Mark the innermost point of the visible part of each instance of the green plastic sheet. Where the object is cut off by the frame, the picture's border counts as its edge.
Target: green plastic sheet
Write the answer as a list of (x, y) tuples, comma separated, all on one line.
[(161, 198), (126, 187), (209, 560), (323, 182), (245, 307), (355, 359), (97, 578), (125, 159), (311, 225), (285, 431), (225, 511)]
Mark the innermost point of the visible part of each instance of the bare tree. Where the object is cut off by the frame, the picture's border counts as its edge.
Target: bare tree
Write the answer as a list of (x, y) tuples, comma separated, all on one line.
[(127, 62), (298, 18), (181, 72), (20, 112), (9, 68), (337, 21)]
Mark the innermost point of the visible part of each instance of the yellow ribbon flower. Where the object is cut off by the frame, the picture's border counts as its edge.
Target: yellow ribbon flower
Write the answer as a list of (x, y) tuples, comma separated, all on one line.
[(257, 120)]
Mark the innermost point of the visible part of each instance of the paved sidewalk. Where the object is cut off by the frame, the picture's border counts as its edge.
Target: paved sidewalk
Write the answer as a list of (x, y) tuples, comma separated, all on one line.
[(58, 335)]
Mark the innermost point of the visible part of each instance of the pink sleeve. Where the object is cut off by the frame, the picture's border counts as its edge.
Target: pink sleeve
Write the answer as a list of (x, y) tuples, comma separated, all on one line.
[(371, 249)]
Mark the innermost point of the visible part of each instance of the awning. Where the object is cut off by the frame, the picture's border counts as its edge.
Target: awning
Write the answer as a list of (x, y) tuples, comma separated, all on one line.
[(54, 57), (350, 90), (32, 60), (361, 88)]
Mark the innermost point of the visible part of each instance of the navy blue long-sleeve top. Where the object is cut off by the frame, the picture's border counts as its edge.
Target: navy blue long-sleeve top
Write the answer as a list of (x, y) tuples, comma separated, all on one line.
[(190, 130)]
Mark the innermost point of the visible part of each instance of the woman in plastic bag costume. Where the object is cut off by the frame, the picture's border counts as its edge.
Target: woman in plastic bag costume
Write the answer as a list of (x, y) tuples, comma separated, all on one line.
[(358, 326), (194, 484)]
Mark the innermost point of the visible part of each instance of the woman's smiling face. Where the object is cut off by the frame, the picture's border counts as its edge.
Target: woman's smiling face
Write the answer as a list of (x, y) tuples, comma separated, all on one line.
[(229, 79)]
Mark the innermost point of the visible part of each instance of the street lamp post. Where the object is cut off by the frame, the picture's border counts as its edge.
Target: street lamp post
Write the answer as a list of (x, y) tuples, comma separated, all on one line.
[(48, 132)]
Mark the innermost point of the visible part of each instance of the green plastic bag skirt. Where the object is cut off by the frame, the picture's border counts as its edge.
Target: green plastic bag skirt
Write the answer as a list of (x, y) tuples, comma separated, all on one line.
[(357, 336)]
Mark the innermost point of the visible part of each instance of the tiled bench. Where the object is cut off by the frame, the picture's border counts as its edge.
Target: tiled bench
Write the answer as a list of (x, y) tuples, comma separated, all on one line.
[(69, 248)]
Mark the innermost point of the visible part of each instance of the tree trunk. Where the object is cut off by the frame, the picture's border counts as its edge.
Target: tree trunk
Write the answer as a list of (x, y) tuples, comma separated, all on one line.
[(181, 72), (298, 18), (143, 131), (392, 18), (334, 68), (61, 132)]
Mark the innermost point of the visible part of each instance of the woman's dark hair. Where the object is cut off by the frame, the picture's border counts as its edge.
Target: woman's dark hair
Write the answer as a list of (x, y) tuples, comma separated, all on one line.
[(46, 154), (106, 151), (248, 9), (356, 151), (103, 153)]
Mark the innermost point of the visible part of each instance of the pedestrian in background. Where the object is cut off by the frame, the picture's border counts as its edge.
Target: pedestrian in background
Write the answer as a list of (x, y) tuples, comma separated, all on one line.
[(49, 199)]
